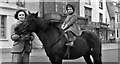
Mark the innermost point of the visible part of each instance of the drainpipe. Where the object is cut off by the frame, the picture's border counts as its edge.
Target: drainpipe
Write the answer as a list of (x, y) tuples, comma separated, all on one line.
[(43, 9)]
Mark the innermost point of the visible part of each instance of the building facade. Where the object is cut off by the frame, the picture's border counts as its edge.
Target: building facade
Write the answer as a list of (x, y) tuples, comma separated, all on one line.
[(7, 11), (113, 9), (98, 13), (6, 20), (98, 16), (119, 22)]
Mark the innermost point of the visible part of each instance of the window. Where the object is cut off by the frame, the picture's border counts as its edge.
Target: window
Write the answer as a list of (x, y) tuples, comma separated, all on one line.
[(88, 13), (100, 17), (117, 17), (101, 4), (3, 27), (117, 33), (64, 9), (106, 20), (64, 5), (88, 2)]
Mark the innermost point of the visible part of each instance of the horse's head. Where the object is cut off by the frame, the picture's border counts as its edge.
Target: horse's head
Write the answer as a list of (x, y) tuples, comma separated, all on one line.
[(29, 24)]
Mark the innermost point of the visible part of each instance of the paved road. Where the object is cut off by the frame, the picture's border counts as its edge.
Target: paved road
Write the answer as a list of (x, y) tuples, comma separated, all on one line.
[(109, 54), (38, 55)]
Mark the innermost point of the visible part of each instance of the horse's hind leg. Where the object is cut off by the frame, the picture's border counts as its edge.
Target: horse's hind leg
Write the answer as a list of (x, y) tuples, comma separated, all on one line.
[(97, 60), (88, 59), (58, 60), (96, 54)]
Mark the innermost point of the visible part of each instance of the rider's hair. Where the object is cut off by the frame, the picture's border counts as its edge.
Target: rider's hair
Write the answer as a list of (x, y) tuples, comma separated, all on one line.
[(69, 5)]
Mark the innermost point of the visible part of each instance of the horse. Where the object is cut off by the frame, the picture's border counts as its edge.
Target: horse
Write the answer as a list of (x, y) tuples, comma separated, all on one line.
[(54, 41)]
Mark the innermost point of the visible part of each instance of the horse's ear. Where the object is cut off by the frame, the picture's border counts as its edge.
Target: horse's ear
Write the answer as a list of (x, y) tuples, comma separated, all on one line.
[(29, 12), (36, 14)]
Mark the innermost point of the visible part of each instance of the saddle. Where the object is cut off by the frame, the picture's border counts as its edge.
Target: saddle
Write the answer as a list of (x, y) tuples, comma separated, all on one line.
[(74, 37), (68, 46)]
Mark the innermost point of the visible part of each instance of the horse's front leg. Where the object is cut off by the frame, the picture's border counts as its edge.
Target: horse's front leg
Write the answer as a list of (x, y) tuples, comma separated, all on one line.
[(52, 60)]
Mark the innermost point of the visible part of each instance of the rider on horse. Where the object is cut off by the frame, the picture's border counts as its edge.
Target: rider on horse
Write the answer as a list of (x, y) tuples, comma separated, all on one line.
[(70, 25)]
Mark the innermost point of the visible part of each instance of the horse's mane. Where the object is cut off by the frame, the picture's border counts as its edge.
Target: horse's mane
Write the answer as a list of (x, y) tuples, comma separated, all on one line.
[(44, 25), (47, 25)]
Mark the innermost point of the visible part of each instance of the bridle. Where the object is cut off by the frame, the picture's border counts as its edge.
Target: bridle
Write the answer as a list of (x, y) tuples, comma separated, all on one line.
[(26, 26)]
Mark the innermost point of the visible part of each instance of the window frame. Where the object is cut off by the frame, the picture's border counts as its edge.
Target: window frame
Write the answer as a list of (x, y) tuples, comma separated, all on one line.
[(3, 32), (101, 4), (89, 16), (100, 17)]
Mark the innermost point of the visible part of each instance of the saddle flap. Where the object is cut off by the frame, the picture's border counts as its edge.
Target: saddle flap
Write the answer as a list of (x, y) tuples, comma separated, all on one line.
[(74, 37)]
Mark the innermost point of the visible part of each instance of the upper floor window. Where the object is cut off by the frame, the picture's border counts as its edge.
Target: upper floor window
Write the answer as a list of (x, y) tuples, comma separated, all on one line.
[(100, 17), (101, 4), (88, 13), (3, 19), (117, 33), (88, 2), (64, 5)]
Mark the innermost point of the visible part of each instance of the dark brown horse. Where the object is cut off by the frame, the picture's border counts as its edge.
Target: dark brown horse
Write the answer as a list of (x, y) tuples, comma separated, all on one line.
[(54, 41)]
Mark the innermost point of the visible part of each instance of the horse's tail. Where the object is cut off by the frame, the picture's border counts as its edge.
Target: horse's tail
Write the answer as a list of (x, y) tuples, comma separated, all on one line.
[(93, 41)]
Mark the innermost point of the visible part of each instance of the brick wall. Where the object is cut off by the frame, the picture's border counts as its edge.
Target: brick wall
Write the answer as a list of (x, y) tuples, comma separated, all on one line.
[(53, 7)]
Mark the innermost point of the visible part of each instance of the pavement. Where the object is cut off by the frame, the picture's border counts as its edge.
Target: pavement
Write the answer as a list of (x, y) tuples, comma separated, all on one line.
[(105, 46), (40, 55), (109, 46)]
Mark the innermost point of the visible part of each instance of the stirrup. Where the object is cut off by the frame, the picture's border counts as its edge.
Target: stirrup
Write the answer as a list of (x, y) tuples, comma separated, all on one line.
[(70, 43)]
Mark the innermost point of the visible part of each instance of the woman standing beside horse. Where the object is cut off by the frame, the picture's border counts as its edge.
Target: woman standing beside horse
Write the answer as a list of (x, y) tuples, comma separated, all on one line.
[(22, 42)]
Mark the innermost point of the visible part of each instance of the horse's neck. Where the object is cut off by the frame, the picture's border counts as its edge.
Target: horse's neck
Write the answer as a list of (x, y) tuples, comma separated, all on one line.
[(47, 37), (48, 32)]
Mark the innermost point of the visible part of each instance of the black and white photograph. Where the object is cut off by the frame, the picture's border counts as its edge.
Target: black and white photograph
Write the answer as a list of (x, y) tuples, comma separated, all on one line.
[(60, 31)]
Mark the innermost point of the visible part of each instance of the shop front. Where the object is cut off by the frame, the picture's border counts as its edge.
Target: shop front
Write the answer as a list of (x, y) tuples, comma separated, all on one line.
[(111, 35), (103, 33), (102, 30)]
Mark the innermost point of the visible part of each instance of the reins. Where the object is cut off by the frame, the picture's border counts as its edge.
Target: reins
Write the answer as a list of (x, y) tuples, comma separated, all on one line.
[(55, 41)]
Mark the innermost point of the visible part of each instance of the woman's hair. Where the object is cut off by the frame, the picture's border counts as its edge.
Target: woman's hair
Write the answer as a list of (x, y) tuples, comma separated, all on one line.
[(16, 14), (69, 5)]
